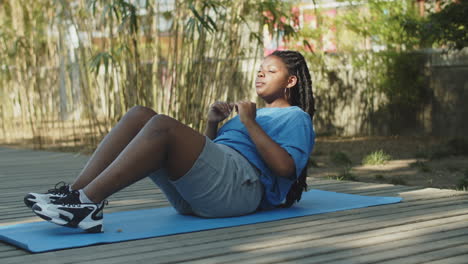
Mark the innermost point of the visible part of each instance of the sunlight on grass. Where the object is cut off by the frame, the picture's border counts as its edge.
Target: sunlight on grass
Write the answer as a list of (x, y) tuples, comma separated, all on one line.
[(376, 158)]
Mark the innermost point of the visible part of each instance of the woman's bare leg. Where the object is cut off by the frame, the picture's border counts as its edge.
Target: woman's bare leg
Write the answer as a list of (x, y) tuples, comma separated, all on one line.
[(113, 143), (163, 142)]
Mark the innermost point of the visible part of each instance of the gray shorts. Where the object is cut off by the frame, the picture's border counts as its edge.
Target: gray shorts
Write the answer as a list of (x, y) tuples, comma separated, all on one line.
[(221, 183)]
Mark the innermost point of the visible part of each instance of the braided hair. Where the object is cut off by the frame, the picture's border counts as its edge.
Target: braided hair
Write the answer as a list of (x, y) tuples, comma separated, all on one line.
[(300, 95)]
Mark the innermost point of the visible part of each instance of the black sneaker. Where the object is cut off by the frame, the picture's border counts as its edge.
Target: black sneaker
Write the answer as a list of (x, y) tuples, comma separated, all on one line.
[(60, 190), (71, 212)]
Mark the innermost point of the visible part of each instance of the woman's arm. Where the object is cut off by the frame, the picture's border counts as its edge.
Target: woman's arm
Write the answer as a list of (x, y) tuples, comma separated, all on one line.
[(277, 158), (211, 130)]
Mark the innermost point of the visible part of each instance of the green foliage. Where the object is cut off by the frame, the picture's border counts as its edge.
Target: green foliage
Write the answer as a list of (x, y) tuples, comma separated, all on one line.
[(332, 177), (404, 82), (398, 180), (398, 25), (340, 158), (275, 15), (101, 58), (421, 154), (116, 10), (380, 177), (378, 157), (449, 27), (346, 175), (202, 17), (463, 183), (89, 61), (397, 71), (313, 163), (439, 152), (422, 166), (452, 147), (459, 146), (453, 169), (382, 22)]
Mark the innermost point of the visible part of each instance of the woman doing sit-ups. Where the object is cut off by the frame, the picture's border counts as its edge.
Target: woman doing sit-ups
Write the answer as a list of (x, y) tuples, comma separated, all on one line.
[(256, 161)]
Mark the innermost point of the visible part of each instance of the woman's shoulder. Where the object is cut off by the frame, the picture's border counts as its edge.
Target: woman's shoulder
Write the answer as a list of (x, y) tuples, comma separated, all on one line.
[(289, 109), (291, 114), (296, 112), (284, 111)]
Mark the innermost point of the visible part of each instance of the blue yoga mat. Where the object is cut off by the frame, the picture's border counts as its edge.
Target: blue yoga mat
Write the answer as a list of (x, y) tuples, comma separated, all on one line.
[(139, 224)]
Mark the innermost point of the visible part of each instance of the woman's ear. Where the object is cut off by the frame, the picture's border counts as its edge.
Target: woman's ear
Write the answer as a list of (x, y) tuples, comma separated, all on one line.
[(292, 80)]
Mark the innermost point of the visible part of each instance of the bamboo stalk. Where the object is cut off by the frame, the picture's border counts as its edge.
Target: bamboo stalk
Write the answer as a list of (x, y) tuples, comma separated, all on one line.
[(196, 71)]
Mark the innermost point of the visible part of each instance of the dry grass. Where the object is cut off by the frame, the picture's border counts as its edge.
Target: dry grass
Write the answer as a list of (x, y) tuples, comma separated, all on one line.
[(405, 168)]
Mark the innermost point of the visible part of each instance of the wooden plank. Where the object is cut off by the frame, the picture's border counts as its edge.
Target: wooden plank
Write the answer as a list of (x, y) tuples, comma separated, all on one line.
[(454, 259), (438, 250), (267, 244), (383, 249), (376, 210), (340, 252), (434, 218), (270, 227), (271, 238), (116, 199), (26, 211)]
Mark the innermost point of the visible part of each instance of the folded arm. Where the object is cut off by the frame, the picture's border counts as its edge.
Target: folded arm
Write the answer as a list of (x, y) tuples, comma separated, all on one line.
[(276, 157)]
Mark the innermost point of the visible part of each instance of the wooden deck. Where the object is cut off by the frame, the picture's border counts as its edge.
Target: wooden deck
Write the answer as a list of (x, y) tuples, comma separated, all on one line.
[(430, 226)]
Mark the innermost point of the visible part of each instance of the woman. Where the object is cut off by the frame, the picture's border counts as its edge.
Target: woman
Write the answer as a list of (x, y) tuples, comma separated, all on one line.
[(257, 160)]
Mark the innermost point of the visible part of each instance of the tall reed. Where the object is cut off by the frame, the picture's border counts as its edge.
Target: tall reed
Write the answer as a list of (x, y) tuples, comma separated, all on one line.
[(69, 70)]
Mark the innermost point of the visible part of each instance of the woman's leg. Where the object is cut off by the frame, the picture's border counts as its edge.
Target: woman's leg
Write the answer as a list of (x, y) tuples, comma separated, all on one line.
[(163, 142), (175, 198), (113, 143)]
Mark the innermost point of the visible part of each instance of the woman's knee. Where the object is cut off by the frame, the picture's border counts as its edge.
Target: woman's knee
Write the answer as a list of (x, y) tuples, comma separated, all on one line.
[(162, 121), (141, 113), (161, 124)]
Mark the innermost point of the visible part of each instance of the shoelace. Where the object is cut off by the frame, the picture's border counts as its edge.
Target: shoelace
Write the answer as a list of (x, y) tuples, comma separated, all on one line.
[(72, 199), (59, 188)]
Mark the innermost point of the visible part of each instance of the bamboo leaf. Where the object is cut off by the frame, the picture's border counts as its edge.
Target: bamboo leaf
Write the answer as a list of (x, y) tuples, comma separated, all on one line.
[(91, 4), (201, 20)]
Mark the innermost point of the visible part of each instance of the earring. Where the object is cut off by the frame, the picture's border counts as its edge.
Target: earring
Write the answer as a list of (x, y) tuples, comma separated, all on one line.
[(287, 93)]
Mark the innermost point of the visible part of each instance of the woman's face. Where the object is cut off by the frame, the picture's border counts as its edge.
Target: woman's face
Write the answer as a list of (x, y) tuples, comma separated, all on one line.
[(273, 78)]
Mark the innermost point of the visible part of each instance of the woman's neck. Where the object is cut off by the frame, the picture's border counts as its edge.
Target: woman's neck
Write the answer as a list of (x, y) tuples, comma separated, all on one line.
[(280, 103)]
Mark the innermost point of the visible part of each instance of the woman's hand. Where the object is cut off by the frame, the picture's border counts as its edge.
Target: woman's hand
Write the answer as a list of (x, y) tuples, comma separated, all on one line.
[(219, 111), (247, 111)]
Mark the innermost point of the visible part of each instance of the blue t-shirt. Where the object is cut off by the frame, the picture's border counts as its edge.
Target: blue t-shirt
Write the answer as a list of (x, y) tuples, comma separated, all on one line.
[(291, 128)]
